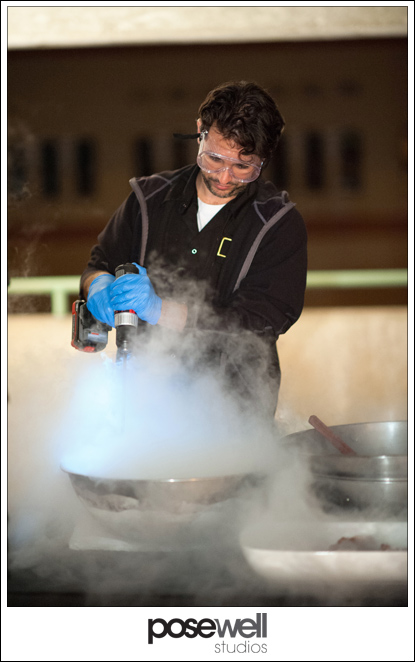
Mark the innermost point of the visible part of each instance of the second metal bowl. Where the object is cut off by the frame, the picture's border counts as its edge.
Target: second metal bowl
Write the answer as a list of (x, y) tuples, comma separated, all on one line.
[(376, 478)]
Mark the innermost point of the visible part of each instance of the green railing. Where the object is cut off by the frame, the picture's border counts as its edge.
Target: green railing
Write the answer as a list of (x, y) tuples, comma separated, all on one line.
[(60, 287), (57, 287)]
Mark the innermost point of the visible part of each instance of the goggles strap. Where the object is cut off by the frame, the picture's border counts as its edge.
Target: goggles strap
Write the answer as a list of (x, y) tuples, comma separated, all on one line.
[(186, 136)]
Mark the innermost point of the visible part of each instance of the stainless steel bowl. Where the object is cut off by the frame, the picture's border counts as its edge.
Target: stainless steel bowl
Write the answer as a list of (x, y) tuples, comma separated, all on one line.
[(376, 478), (172, 495), (158, 510)]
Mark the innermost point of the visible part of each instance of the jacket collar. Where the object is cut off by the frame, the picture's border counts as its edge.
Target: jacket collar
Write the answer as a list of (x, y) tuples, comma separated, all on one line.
[(184, 189)]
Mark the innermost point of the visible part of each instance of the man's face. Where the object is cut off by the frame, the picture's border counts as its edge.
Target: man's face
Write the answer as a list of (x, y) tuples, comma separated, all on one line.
[(219, 187), (222, 186)]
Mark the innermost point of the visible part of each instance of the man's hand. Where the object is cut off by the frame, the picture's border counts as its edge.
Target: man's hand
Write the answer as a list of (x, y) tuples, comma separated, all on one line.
[(135, 292), (98, 302)]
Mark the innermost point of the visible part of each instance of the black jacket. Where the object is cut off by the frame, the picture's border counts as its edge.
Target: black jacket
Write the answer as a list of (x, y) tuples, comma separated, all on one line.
[(247, 267)]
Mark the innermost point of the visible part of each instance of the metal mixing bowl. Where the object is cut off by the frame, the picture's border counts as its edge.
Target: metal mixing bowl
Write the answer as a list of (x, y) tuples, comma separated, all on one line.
[(172, 495), (157, 510), (376, 478)]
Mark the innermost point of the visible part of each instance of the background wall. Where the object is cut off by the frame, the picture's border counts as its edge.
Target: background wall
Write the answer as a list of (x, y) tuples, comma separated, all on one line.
[(46, 27), (82, 121), (345, 365)]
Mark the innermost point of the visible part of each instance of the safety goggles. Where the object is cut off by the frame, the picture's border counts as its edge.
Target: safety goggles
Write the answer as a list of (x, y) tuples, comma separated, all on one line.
[(212, 162)]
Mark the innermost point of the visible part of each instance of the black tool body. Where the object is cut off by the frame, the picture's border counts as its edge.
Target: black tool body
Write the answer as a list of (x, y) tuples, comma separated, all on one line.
[(88, 333)]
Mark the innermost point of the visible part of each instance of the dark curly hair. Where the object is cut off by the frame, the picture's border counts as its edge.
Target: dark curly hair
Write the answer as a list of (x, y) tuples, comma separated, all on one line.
[(246, 113)]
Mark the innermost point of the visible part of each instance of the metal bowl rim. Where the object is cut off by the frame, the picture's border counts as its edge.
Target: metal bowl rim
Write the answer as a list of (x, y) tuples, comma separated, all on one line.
[(165, 480), (288, 439)]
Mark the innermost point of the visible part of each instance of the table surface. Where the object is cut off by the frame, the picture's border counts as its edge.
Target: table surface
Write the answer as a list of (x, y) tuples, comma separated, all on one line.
[(215, 576)]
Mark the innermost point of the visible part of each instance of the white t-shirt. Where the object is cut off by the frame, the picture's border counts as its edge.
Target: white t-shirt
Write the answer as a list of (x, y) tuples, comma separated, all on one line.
[(206, 212)]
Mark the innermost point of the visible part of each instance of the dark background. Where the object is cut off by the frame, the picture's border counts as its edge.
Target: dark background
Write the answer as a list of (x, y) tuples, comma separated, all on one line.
[(83, 121)]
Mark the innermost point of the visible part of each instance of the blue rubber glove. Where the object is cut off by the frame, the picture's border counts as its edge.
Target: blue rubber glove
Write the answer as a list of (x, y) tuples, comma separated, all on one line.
[(135, 292), (98, 302)]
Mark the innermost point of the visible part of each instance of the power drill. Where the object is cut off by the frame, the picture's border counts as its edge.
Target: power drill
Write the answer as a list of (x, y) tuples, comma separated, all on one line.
[(88, 333), (91, 335)]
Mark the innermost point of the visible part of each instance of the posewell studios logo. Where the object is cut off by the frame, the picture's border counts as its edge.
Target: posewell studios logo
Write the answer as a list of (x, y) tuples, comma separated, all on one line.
[(245, 628)]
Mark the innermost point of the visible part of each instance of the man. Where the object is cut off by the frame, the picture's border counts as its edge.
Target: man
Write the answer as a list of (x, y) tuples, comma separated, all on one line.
[(221, 253)]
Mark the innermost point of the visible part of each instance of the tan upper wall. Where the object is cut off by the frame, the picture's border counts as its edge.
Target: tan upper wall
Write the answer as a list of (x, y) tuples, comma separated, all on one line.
[(61, 27)]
